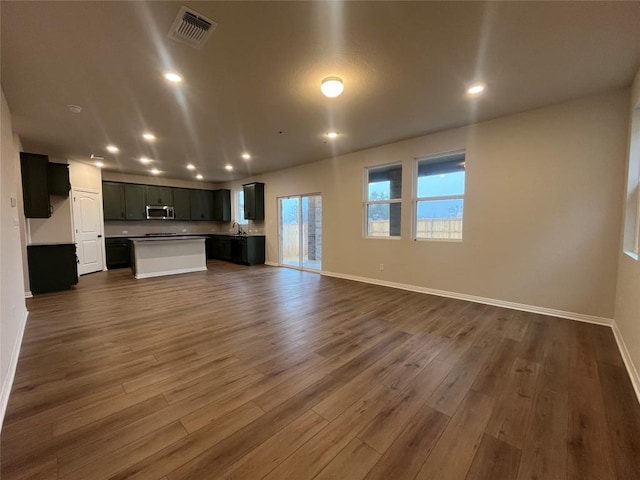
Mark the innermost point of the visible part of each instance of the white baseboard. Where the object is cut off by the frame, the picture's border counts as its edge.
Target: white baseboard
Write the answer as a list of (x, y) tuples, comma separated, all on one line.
[(626, 357), (11, 372), (28, 294), (170, 272), (581, 317)]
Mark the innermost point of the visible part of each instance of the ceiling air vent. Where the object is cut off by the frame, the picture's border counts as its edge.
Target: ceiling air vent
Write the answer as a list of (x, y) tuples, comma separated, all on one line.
[(191, 28)]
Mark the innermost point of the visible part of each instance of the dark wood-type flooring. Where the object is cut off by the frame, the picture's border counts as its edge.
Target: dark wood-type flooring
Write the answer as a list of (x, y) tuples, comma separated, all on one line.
[(261, 372)]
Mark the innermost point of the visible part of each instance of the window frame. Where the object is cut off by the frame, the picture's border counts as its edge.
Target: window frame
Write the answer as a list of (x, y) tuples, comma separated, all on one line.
[(416, 199), (366, 202)]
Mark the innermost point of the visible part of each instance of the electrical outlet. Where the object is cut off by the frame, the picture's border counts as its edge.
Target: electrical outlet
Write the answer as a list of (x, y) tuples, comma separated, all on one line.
[(184, 230), (381, 266), (125, 231)]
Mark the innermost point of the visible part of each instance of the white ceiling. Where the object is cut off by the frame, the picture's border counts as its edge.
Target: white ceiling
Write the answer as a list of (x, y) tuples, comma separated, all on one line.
[(255, 84)]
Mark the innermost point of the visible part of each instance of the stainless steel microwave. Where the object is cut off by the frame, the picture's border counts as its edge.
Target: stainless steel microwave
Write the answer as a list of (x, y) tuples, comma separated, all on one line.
[(159, 212)]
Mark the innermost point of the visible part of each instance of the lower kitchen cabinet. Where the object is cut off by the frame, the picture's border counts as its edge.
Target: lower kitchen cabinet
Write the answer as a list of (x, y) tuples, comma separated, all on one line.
[(246, 250), (52, 267), (118, 253)]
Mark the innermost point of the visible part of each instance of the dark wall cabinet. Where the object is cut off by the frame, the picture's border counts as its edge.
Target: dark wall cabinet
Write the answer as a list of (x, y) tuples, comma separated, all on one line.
[(40, 178), (159, 195), (247, 250), (222, 205), (201, 204), (253, 201), (118, 252), (182, 203), (52, 268), (134, 201), (113, 201)]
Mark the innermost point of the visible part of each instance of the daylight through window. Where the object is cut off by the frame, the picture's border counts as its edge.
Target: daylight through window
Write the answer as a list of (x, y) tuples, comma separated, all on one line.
[(439, 205), (382, 205)]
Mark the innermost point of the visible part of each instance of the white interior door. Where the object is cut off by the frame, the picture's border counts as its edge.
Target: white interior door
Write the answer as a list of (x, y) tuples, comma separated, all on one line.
[(88, 231)]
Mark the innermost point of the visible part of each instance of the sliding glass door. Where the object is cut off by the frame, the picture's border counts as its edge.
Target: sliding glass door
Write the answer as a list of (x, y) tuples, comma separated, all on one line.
[(301, 231)]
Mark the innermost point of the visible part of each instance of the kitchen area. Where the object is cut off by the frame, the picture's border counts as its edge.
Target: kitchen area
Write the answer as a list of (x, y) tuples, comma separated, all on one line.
[(152, 226)]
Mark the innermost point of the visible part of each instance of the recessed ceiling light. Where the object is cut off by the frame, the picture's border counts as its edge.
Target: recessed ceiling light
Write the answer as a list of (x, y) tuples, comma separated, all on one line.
[(332, 134), (199, 177), (113, 148), (228, 167), (149, 137), (99, 164), (155, 171), (173, 77), (191, 167), (74, 108), (332, 86), (476, 89), (246, 156), (145, 160)]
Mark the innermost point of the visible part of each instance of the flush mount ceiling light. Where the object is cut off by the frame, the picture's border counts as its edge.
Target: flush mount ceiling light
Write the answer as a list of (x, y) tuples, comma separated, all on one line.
[(191, 167), (145, 160), (74, 108), (173, 77), (332, 86), (476, 89), (228, 167), (149, 137), (332, 134), (246, 156), (155, 171), (199, 177), (113, 148)]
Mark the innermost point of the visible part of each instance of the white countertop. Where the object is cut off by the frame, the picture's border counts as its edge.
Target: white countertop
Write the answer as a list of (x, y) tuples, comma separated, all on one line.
[(167, 239)]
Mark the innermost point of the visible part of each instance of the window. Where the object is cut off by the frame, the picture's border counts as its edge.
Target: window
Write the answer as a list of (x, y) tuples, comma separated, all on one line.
[(382, 205), (239, 207), (439, 203), (631, 236)]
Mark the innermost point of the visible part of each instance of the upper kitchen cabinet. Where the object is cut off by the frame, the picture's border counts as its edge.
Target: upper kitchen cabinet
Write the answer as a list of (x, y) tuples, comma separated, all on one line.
[(40, 178), (254, 201), (35, 191), (182, 203), (222, 205), (58, 179), (201, 204), (113, 201), (159, 195), (134, 200)]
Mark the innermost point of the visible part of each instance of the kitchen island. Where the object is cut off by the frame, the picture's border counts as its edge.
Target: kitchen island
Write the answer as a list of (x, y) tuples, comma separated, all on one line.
[(158, 256)]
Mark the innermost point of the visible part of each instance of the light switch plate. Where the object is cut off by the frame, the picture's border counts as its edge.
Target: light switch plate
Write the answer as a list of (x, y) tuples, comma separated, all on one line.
[(14, 201)]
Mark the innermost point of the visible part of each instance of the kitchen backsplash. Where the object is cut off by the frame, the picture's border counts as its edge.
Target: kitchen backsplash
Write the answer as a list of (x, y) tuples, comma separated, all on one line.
[(119, 228)]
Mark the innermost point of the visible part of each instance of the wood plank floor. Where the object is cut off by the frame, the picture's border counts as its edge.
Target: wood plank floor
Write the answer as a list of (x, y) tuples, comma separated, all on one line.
[(261, 372)]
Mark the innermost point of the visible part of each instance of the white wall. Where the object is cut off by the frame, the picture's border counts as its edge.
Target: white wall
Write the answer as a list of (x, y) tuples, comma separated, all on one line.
[(542, 209), (627, 312), (13, 311)]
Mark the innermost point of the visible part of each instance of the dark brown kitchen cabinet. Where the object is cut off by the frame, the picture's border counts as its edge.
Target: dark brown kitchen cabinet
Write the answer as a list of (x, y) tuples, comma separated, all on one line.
[(182, 204), (35, 191), (246, 250), (253, 201), (134, 202), (52, 267), (113, 201), (58, 179), (41, 178), (159, 195), (201, 204), (222, 205)]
